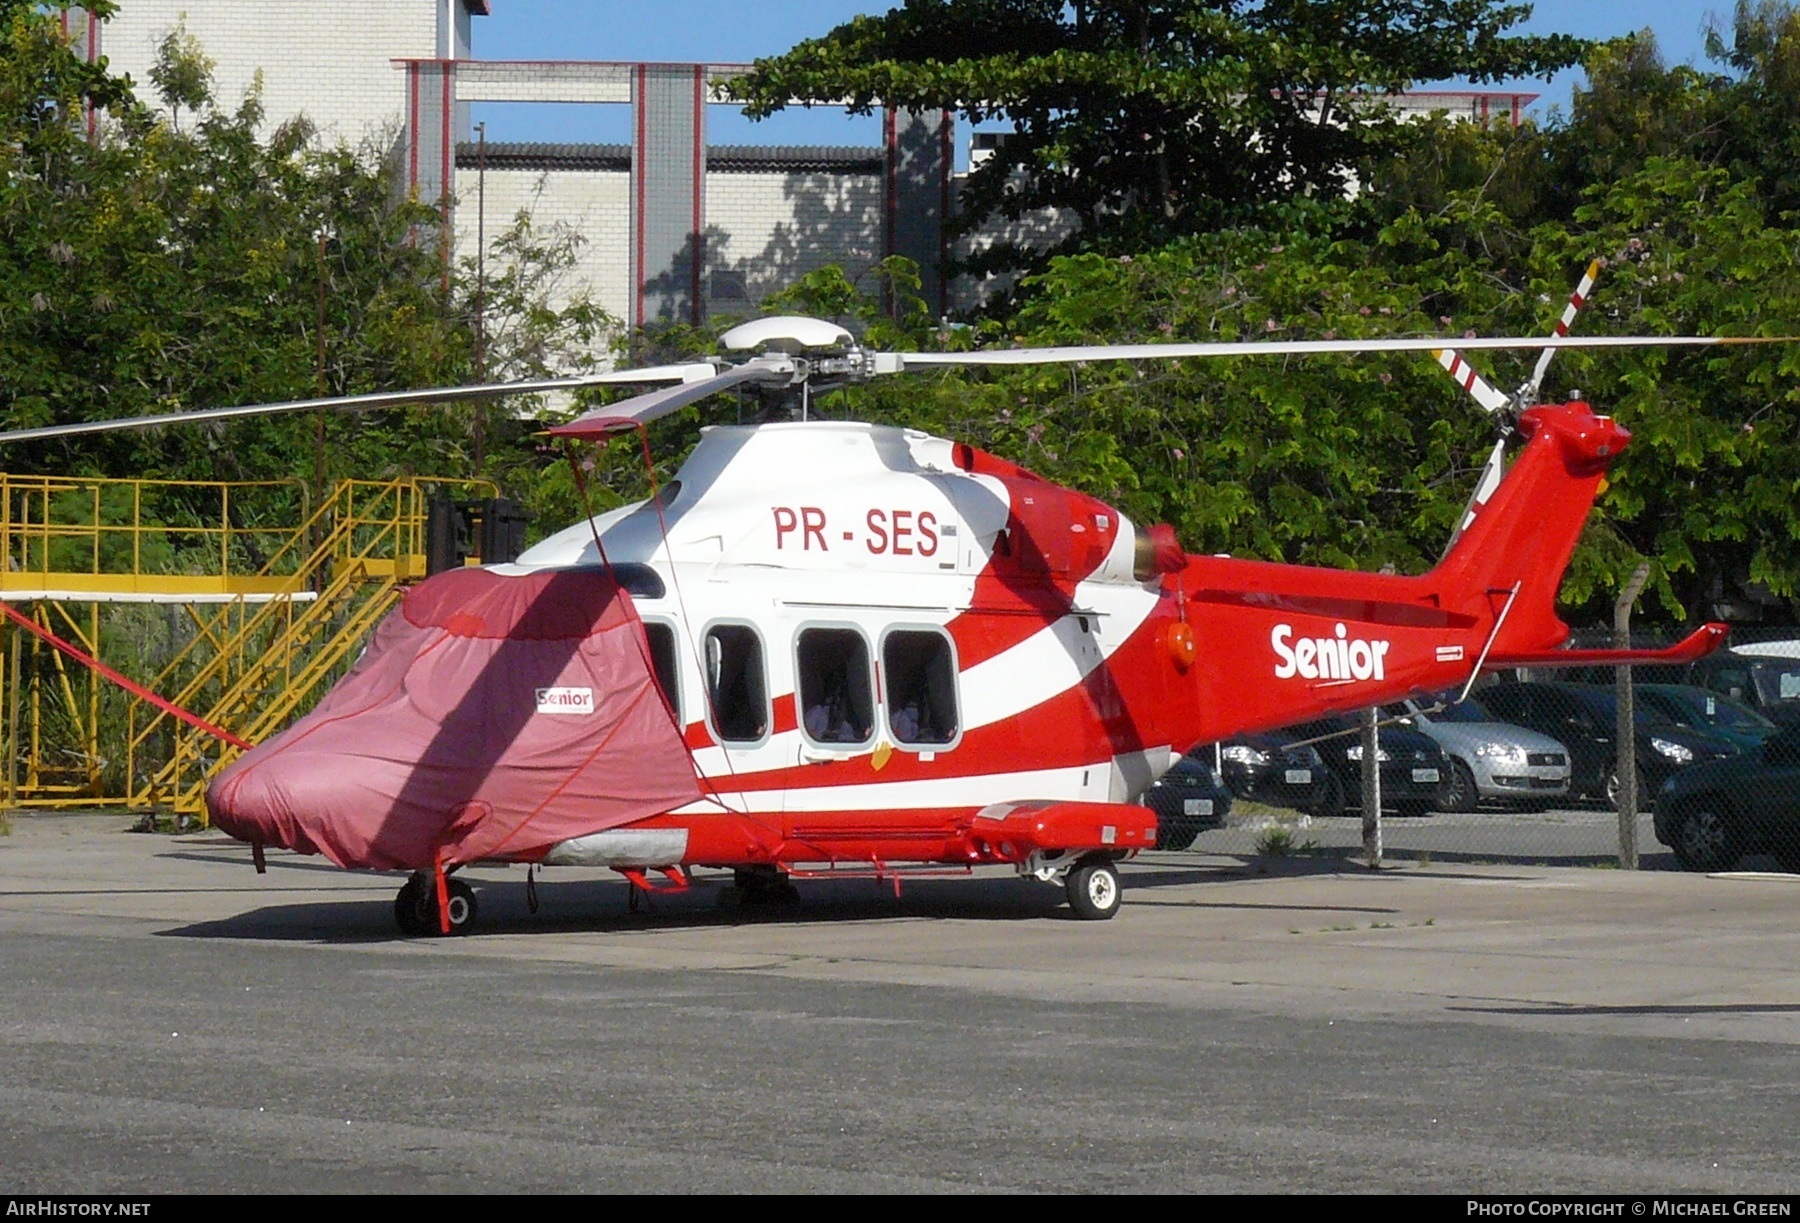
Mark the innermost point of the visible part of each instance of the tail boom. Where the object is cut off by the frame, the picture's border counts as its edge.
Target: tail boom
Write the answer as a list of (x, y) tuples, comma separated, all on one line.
[(1280, 643)]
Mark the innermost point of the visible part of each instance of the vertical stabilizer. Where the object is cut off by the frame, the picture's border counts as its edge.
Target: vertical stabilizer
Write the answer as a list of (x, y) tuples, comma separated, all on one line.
[(1526, 531)]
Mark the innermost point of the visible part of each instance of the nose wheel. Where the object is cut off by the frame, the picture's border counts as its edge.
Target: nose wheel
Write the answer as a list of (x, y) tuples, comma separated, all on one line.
[(1093, 888), (416, 906)]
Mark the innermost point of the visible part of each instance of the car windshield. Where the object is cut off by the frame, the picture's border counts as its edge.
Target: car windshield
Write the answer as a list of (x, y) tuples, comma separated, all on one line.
[(1468, 710), (1703, 708), (1777, 682), (1603, 703)]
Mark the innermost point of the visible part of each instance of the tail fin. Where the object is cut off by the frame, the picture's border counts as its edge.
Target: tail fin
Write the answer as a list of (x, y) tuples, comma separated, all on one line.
[(1520, 541)]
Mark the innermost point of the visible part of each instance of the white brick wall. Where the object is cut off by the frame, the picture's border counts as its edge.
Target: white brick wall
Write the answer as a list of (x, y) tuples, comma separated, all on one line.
[(773, 227), (332, 62), (596, 205)]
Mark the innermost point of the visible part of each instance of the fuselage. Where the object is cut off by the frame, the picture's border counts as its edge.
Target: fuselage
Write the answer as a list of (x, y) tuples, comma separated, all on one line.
[(954, 634)]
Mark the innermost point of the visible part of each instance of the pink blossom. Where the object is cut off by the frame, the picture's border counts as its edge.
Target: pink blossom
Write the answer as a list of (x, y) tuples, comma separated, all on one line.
[(1269, 324), (1469, 335), (1364, 312), (1179, 453), (1386, 378), (1444, 319)]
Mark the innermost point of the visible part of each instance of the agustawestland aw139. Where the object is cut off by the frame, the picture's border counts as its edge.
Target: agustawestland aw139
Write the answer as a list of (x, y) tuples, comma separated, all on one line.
[(860, 649)]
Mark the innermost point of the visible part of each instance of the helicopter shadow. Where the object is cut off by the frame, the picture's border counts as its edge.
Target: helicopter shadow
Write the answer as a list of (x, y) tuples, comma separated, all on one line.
[(605, 907)]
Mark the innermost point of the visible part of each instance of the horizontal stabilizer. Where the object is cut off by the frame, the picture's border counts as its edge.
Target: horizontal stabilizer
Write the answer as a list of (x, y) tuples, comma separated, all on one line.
[(1696, 645)]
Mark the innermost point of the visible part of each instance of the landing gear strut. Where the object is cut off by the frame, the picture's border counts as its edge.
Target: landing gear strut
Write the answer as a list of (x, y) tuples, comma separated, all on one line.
[(416, 907)]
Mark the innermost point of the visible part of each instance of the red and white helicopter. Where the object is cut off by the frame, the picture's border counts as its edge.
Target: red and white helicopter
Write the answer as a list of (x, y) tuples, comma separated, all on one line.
[(829, 647)]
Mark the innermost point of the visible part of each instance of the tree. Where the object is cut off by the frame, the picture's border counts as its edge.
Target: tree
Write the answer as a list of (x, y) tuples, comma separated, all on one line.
[(1145, 120), (194, 259)]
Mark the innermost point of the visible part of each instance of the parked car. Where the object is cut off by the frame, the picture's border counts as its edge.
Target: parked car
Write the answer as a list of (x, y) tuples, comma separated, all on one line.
[(1585, 718), (1765, 675), (1268, 768), (1412, 766), (1709, 711), (1188, 799), (1489, 758), (1714, 813)]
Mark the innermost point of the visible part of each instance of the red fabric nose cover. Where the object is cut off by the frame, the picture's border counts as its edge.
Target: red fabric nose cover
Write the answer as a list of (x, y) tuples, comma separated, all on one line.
[(490, 715)]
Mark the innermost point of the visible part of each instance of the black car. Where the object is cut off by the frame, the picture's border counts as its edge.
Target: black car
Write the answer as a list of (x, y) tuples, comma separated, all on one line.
[(1413, 768), (1713, 814), (1188, 799), (1585, 717), (1709, 711), (1763, 675), (1268, 768)]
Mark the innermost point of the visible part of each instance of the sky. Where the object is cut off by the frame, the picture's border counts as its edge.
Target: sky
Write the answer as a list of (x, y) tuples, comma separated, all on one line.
[(715, 32)]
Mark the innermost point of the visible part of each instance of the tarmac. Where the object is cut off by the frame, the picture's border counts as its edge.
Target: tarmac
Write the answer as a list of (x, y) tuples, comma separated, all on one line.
[(170, 1021)]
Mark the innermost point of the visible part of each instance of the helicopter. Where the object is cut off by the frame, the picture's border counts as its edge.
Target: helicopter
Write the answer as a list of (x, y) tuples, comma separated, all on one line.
[(839, 649)]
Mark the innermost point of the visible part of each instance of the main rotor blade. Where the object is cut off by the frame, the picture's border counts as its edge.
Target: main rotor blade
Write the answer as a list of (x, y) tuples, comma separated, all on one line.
[(642, 409), (889, 363), (370, 402)]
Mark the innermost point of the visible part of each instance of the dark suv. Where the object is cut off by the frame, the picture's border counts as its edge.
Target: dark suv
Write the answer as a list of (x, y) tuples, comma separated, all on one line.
[(1413, 768), (1714, 814), (1586, 718)]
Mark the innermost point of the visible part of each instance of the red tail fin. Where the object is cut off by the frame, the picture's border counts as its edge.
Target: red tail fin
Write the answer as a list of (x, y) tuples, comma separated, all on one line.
[(1522, 538)]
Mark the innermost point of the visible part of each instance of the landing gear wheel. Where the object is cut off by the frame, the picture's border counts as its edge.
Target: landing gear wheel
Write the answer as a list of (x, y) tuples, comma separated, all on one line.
[(416, 907), (1458, 794), (1093, 888), (1704, 840), (409, 906), (765, 889), (462, 907)]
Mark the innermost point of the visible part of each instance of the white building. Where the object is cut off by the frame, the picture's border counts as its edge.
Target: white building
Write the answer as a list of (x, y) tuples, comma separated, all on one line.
[(673, 229)]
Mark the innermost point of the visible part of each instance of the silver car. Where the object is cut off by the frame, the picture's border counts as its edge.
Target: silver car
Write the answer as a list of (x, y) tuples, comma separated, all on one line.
[(1489, 758)]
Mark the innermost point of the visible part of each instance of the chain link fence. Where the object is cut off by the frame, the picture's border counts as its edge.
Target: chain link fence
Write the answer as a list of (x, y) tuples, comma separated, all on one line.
[(1528, 769)]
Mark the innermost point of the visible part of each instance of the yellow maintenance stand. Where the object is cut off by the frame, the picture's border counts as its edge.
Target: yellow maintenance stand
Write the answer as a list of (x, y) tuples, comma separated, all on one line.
[(241, 602)]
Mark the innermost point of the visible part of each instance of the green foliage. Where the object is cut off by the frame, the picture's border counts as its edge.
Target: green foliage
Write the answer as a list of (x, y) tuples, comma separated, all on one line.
[(200, 260), (1143, 121)]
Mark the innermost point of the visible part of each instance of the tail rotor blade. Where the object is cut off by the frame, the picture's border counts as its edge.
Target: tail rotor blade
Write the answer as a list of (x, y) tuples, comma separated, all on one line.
[(1577, 300), (1470, 381)]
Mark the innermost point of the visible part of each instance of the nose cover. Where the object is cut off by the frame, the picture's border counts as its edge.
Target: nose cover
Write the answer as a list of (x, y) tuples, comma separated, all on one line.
[(494, 713)]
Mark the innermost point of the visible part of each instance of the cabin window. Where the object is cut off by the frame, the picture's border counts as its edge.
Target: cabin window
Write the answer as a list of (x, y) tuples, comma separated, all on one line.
[(920, 676), (837, 700), (736, 683), (662, 663)]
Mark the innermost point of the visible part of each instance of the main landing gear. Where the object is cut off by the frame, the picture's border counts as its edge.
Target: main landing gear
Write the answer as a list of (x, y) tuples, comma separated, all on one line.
[(1093, 888), (416, 907), (760, 887)]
